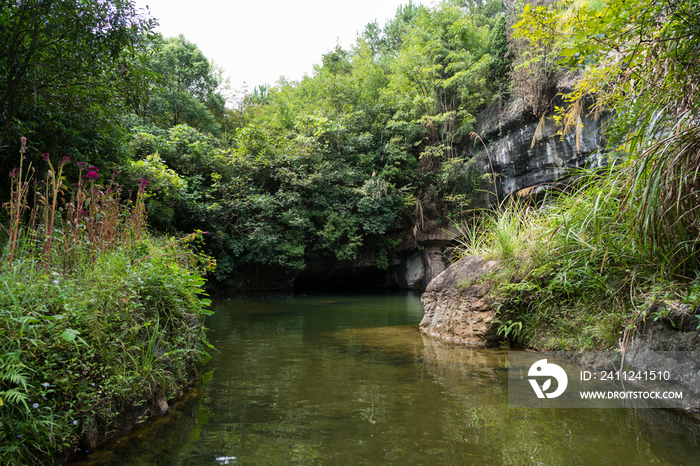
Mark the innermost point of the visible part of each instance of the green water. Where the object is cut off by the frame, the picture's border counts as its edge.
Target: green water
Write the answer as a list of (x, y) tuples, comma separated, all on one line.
[(349, 380)]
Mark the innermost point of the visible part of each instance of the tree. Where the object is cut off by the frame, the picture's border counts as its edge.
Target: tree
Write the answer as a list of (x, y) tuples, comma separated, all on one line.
[(498, 72), (54, 51), (438, 76), (187, 91), (386, 42), (536, 45)]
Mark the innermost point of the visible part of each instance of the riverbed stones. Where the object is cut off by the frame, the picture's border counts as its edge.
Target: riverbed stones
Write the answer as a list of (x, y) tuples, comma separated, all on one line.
[(457, 305)]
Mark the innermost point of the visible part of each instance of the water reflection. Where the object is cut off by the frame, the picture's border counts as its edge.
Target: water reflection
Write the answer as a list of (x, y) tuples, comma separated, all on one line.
[(350, 380)]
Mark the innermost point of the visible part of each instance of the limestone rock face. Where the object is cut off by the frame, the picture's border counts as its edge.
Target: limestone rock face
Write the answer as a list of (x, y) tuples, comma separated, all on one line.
[(677, 330), (456, 304), (509, 130)]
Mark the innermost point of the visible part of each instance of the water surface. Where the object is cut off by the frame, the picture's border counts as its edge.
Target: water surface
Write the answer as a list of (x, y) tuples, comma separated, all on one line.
[(349, 380)]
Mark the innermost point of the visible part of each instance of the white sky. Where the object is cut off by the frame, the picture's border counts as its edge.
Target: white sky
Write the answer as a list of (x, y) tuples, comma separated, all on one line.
[(256, 42)]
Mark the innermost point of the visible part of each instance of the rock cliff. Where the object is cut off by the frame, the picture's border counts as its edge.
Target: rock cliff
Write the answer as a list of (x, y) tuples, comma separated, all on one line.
[(508, 131)]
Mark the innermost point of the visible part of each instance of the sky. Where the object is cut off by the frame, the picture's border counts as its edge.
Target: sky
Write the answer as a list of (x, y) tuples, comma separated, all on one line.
[(256, 42)]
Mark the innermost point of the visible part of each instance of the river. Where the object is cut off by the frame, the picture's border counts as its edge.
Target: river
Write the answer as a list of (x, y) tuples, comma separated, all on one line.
[(349, 380)]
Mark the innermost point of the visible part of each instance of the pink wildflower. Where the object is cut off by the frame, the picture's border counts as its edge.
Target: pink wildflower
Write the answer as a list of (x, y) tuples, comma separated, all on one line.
[(45, 156), (92, 175)]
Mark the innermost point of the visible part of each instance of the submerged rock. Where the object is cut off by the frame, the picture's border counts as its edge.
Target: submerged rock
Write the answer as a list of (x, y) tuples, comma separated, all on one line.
[(457, 305)]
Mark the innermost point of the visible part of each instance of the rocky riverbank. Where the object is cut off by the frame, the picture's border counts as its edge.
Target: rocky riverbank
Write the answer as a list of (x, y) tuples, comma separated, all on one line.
[(460, 306)]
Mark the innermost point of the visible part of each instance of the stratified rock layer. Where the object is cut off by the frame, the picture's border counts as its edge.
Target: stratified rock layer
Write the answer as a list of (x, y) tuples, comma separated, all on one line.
[(457, 306), (520, 160)]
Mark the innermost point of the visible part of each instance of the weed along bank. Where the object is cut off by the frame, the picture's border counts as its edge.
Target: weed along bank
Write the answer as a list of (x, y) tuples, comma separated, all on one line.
[(102, 321)]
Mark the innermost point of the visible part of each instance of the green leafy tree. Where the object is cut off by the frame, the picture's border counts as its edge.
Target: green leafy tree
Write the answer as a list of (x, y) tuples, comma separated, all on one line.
[(187, 91), (328, 167), (386, 42), (498, 71), (438, 76), (65, 67), (536, 46)]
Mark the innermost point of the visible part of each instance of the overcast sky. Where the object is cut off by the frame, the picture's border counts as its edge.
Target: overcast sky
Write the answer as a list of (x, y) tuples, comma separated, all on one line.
[(256, 42)]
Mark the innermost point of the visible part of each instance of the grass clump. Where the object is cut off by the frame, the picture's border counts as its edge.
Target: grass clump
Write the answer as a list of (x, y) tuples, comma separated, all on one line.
[(97, 315)]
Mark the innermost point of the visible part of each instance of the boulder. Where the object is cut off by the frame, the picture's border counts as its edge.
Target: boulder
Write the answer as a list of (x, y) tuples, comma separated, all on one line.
[(457, 305), (667, 336), (667, 326)]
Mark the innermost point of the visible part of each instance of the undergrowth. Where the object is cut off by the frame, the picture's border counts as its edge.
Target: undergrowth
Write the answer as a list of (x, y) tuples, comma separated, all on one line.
[(97, 315), (575, 273)]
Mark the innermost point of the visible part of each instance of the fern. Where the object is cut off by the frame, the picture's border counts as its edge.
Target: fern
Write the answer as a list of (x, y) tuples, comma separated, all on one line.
[(13, 379), (14, 396), (95, 327)]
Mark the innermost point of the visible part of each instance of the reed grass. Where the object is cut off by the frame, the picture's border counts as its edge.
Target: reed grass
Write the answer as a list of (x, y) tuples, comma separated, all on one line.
[(577, 270)]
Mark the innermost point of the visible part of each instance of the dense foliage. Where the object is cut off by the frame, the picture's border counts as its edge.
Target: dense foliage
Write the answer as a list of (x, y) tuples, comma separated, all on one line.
[(186, 92), (345, 160), (352, 158), (97, 315), (348, 158), (580, 271), (67, 70)]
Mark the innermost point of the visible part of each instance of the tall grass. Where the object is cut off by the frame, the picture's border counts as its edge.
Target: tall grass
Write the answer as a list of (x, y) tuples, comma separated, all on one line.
[(507, 233), (96, 313), (576, 271), (653, 86)]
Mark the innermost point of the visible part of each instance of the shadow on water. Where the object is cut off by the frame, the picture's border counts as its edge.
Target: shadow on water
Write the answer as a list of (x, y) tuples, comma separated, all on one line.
[(348, 379)]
